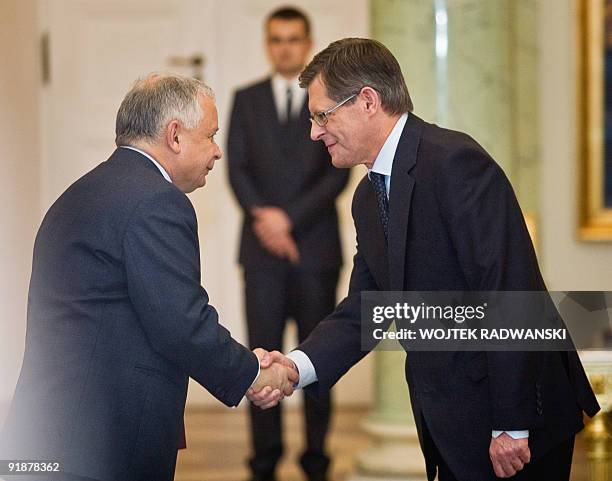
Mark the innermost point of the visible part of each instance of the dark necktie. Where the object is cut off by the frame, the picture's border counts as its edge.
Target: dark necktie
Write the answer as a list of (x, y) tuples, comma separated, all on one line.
[(378, 182), (289, 101)]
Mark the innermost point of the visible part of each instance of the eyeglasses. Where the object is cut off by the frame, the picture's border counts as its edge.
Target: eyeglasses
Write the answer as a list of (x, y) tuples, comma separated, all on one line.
[(321, 118)]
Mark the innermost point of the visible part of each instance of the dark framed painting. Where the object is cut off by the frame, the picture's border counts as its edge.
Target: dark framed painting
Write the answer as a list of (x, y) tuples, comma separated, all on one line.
[(595, 94)]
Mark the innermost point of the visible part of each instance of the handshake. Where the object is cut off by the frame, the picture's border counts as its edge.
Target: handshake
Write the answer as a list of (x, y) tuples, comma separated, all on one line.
[(278, 377)]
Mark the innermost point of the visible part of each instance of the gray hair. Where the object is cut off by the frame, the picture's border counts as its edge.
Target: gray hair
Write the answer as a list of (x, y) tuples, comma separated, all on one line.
[(153, 102), (348, 65)]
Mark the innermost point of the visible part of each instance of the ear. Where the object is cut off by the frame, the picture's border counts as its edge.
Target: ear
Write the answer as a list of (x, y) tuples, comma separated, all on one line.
[(172, 137), (371, 100)]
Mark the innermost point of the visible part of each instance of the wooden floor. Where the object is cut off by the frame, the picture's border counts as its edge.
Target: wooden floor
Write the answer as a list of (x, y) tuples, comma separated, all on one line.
[(218, 441)]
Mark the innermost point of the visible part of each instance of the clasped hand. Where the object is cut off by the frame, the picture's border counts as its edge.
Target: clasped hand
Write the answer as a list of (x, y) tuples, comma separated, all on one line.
[(272, 226), (278, 377), (509, 456)]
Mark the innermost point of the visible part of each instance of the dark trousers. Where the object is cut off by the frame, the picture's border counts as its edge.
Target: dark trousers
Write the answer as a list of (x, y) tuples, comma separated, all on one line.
[(272, 297), (555, 465)]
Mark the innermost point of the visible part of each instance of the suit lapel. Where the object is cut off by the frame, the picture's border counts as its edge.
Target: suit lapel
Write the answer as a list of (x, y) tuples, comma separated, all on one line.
[(295, 126), (402, 186), (375, 247), (268, 110)]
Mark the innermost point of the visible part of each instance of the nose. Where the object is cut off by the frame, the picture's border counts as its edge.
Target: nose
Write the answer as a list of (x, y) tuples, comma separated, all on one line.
[(219, 153), (316, 131)]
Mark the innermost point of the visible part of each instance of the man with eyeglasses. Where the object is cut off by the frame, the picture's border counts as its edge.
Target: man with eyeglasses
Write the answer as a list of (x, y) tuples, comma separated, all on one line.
[(435, 212), (290, 247)]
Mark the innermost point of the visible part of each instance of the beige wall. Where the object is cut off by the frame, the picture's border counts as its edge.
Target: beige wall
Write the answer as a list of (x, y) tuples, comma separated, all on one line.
[(19, 114), (568, 263)]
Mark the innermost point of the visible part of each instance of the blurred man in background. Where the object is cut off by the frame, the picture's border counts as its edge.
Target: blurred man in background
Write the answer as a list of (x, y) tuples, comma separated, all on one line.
[(290, 247)]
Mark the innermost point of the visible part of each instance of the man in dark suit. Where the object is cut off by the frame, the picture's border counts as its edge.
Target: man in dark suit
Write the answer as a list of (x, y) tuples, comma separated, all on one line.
[(290, 246), (117, 318), (435, 212)]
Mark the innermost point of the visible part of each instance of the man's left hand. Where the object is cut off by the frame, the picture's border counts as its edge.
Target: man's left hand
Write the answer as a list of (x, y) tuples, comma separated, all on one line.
[(268, 397), (508, 455), (282, 246)]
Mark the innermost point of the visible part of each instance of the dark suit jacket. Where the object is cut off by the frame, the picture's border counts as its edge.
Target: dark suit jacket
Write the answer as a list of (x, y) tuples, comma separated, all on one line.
[(274, 165), (117, 321), (455, 225)]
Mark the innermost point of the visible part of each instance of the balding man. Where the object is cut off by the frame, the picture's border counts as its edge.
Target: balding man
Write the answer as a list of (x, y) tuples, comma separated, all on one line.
[(117, 318)]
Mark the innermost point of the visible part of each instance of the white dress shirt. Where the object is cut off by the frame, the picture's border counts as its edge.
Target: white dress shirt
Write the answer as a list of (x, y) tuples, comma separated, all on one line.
[(383, 164), (279, 90), (384, 160)]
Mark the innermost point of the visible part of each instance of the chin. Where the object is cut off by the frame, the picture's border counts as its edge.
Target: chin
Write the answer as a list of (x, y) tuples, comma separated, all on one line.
[(340, 163)]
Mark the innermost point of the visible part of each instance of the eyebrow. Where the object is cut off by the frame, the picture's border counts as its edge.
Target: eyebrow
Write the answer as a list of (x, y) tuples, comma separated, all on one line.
[(320, 110)]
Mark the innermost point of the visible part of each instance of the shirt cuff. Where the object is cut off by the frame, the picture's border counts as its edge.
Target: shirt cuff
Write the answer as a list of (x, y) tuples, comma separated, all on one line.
[(305, 368), (513, 434), (258, 371)]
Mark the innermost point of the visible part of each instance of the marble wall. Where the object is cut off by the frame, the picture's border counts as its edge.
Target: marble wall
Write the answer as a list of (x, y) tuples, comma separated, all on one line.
[(471, 65)]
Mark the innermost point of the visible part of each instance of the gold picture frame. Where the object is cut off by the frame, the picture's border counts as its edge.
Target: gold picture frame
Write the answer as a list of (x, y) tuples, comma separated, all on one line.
[(595, 52)]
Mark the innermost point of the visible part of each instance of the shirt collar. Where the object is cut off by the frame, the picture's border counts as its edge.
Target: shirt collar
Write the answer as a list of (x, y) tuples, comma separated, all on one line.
[(384, 161), (281, 83), (279, 92), (161, 169)]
